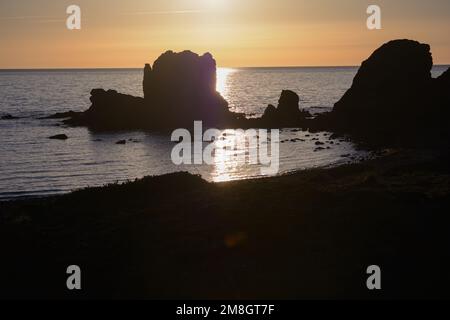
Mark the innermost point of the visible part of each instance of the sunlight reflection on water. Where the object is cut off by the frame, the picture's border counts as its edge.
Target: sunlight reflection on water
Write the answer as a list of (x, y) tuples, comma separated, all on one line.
[(222, 85)]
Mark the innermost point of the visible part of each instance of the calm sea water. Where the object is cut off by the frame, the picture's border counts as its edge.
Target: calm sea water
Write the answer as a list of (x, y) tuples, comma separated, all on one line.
[(33, 165)]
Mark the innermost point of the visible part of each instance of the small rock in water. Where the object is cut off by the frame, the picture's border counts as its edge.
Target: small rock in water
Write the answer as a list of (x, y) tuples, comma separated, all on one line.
[(8, 117), (59, 137), (318, 143), (121, 142)]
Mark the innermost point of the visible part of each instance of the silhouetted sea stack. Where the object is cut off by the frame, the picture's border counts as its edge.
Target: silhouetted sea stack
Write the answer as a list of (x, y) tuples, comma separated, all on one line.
[(287, 114), (393, 99), (179, 89)]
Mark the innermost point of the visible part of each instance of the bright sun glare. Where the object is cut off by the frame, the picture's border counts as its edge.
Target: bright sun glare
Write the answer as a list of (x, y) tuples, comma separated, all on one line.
[(213, 4), (222, 80)]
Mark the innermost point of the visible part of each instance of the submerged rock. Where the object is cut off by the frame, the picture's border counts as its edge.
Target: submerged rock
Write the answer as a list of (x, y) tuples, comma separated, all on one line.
[(59, 137), (62, 115), (8, 117)]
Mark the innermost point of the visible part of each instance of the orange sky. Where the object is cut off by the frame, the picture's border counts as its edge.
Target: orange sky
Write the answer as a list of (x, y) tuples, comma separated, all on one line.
[(118, 33)]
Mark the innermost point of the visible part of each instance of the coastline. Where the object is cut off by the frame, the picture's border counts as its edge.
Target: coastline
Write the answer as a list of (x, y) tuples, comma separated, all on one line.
[(303, 235)]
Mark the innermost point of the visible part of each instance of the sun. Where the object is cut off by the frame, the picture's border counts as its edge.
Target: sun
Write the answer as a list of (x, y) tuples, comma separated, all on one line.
[(213, 4)]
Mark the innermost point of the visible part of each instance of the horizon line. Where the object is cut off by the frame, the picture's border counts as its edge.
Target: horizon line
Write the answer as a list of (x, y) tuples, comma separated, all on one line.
[(218, 67)]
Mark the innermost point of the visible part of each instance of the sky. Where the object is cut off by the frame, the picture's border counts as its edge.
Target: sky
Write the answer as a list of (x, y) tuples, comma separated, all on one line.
[(239, 33)]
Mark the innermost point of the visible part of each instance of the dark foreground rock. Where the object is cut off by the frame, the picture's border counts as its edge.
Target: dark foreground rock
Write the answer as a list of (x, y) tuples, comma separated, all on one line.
[(394, 100), (305, 235)]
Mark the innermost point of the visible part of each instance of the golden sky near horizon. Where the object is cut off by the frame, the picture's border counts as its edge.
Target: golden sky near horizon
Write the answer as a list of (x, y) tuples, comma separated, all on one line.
[(238, 33)]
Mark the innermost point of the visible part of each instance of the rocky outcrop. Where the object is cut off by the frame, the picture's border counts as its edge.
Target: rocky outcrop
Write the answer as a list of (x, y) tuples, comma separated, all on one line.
[(112, 110), (287, 114), (179, 89), (393, 77), (393, 98)]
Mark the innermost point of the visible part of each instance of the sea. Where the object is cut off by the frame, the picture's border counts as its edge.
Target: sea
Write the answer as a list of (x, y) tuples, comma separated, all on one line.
[(32, 165)]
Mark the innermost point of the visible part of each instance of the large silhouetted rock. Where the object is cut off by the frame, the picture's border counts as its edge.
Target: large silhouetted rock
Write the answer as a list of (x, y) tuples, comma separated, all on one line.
[(390, 90), (392, 99), (179, 89), (396, 74)]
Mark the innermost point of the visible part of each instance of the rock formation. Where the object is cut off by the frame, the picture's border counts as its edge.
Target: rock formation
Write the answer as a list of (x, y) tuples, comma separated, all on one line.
[(112, 110), (59, 137), (8, 117), (179, 89), (287, 114), (393, 99)]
